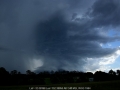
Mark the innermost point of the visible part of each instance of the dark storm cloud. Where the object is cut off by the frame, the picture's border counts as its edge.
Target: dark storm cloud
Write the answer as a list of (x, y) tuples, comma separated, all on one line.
[(3, 49), (55, 37), (53, 43), (52, 32), (105, 13), (62, 50)]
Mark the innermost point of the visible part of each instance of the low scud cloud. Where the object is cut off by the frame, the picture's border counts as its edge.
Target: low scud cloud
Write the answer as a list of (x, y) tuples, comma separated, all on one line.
[(51, 35)]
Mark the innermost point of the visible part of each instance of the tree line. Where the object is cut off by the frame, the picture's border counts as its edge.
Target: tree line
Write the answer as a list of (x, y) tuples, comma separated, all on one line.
[(54, 77)]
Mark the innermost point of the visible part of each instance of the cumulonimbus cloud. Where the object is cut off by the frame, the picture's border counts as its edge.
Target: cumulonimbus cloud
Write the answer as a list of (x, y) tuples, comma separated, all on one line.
[(51, 35)]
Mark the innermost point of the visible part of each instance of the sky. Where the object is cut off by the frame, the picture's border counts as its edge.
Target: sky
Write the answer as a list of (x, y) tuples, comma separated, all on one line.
[(45, 35)]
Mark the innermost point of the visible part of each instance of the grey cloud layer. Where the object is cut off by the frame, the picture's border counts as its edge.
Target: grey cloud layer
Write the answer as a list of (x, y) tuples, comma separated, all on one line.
[(106, 13)]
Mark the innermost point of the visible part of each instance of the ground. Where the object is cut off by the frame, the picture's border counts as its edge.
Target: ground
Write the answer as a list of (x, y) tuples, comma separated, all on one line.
[(106, 85)]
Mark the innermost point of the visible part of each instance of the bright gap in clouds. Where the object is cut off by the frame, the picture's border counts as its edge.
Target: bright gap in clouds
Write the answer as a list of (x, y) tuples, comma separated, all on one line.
[(112, 61), (113, 32), (107, 62), (114, 44), (111, 45), (116, 64), (104, 63)]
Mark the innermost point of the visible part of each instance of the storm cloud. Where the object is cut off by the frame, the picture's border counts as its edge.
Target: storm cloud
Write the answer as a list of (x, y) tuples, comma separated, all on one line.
[(51, 35)]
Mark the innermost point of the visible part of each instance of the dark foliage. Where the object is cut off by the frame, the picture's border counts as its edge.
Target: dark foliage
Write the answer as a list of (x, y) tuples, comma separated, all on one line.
[(54, 77)]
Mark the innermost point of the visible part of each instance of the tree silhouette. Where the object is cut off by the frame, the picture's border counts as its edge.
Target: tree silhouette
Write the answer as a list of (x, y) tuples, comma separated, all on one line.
[(54, 77), (118, 72), (14, 72), (111, 72), (3, 71), (28, 72), (4, 76)]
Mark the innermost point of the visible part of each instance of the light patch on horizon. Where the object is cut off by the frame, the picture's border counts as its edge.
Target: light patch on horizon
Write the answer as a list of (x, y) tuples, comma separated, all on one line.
[(35, 63), (103, 64), (110, 59)]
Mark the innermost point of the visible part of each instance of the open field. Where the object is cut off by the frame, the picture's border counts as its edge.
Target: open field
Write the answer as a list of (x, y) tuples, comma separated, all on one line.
[(107, 85)]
